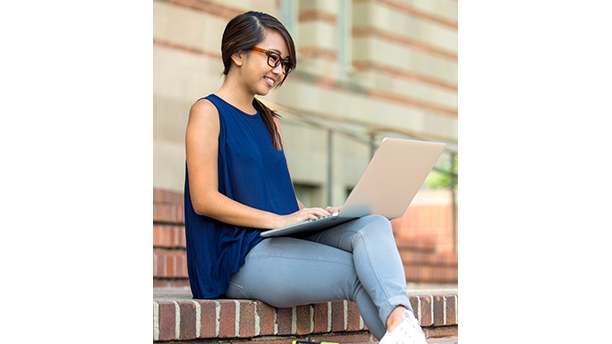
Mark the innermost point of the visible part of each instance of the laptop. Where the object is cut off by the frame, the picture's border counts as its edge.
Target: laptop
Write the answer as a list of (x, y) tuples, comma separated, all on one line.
[(388, 185)]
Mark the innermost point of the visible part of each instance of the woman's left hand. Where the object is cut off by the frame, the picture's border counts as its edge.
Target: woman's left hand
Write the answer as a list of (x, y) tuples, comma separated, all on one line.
[(333, 209)]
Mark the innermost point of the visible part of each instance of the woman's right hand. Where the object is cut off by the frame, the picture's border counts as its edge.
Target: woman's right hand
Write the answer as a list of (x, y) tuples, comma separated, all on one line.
[(301, 215)]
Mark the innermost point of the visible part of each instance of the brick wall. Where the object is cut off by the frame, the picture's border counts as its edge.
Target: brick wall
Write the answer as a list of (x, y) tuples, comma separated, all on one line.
[(178, 317), (422, 262), (429, 216), (169, 256)]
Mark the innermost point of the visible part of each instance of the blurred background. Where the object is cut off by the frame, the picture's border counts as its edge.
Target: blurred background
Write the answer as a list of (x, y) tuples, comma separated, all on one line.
[(366, 69)]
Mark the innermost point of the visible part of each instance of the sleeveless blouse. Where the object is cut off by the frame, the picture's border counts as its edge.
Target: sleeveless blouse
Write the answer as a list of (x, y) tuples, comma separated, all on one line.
[(250, 171)]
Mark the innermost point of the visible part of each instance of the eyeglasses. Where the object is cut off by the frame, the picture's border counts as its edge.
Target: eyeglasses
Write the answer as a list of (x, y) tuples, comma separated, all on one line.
[(274, 59)]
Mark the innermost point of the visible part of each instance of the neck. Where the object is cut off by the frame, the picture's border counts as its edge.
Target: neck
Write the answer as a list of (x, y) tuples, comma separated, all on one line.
[(236, 96)]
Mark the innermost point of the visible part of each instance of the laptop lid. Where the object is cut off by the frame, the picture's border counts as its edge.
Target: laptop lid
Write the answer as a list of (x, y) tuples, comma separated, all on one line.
[(393, 177), (387, 186)]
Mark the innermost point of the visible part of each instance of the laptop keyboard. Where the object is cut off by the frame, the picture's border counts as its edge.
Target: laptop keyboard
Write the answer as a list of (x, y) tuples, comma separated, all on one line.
[(321, 218)]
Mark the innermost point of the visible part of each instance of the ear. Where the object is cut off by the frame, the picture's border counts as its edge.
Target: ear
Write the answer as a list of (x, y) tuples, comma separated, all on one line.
[(237, 57)]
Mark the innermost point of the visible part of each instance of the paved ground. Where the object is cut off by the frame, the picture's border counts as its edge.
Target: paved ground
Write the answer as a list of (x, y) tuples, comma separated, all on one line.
[(171, 293), (413, 287)]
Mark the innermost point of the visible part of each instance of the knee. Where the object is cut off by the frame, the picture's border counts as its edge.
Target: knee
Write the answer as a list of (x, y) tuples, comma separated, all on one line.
[(379, 219), (374, 228), (376, 224)]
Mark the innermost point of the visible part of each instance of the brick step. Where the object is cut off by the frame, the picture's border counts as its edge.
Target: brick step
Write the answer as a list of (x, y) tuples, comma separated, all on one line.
[(169, 244), (429, 258), (167, 196), (444, 340), (168, 213), (415, 244), (176, 316), (449, 340), (430, 274), (169, 235), (421, 263), (170, 269), (170, 265)]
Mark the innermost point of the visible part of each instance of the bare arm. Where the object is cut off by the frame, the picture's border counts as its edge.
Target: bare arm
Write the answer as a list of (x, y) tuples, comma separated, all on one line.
[(201, 145)]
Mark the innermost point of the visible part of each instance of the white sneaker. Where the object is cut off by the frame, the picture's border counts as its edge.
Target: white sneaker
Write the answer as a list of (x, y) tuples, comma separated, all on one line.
[(407, 332)]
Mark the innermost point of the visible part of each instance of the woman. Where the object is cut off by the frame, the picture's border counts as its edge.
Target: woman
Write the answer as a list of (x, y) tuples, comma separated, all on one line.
[(238, 183)]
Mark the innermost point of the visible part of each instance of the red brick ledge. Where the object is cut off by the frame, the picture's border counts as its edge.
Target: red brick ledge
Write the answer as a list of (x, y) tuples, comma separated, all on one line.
[(177, 317)]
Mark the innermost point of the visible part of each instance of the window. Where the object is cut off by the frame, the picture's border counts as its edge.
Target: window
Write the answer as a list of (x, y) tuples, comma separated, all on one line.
[(309, 195), (345, 35), (289, 18)]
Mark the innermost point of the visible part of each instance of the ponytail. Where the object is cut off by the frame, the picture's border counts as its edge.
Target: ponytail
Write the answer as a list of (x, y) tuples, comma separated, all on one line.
[(268, 117)]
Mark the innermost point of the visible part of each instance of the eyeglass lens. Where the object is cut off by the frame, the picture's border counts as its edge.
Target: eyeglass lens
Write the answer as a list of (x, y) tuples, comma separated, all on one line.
[(274, 60)]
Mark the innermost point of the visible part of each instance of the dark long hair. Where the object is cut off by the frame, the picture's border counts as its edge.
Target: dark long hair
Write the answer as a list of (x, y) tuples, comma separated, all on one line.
[(243, 33)]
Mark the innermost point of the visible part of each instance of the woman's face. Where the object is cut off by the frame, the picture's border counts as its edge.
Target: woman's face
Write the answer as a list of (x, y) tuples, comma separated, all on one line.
[(258, 76)]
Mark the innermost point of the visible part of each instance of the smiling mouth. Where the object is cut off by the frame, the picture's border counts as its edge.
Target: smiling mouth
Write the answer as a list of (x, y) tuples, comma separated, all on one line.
[(270, 81)]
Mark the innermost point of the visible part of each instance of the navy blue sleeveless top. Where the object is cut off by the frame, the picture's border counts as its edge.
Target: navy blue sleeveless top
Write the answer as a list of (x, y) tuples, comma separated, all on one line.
[(250, 171)]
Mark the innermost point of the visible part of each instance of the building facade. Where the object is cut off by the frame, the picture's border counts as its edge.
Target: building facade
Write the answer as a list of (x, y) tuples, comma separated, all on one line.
[(366, 69)]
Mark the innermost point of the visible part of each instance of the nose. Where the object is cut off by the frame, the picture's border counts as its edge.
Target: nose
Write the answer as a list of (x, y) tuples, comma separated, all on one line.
[(282, 69)]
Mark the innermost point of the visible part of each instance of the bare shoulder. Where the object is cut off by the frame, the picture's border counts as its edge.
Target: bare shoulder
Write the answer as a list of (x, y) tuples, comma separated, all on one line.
[(203, 109), (201, 147), (203, 118)]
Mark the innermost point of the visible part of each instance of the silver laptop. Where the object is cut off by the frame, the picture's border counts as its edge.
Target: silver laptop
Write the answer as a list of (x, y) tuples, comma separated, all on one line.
[(388, 185)]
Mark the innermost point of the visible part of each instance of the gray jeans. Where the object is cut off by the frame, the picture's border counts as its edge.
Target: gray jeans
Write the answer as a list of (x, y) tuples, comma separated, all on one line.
[(356, 261)]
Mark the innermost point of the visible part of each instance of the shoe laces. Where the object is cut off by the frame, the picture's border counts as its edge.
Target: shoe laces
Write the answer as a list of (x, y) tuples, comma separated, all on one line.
[(407, 332), (408, 326), (411, 320)]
